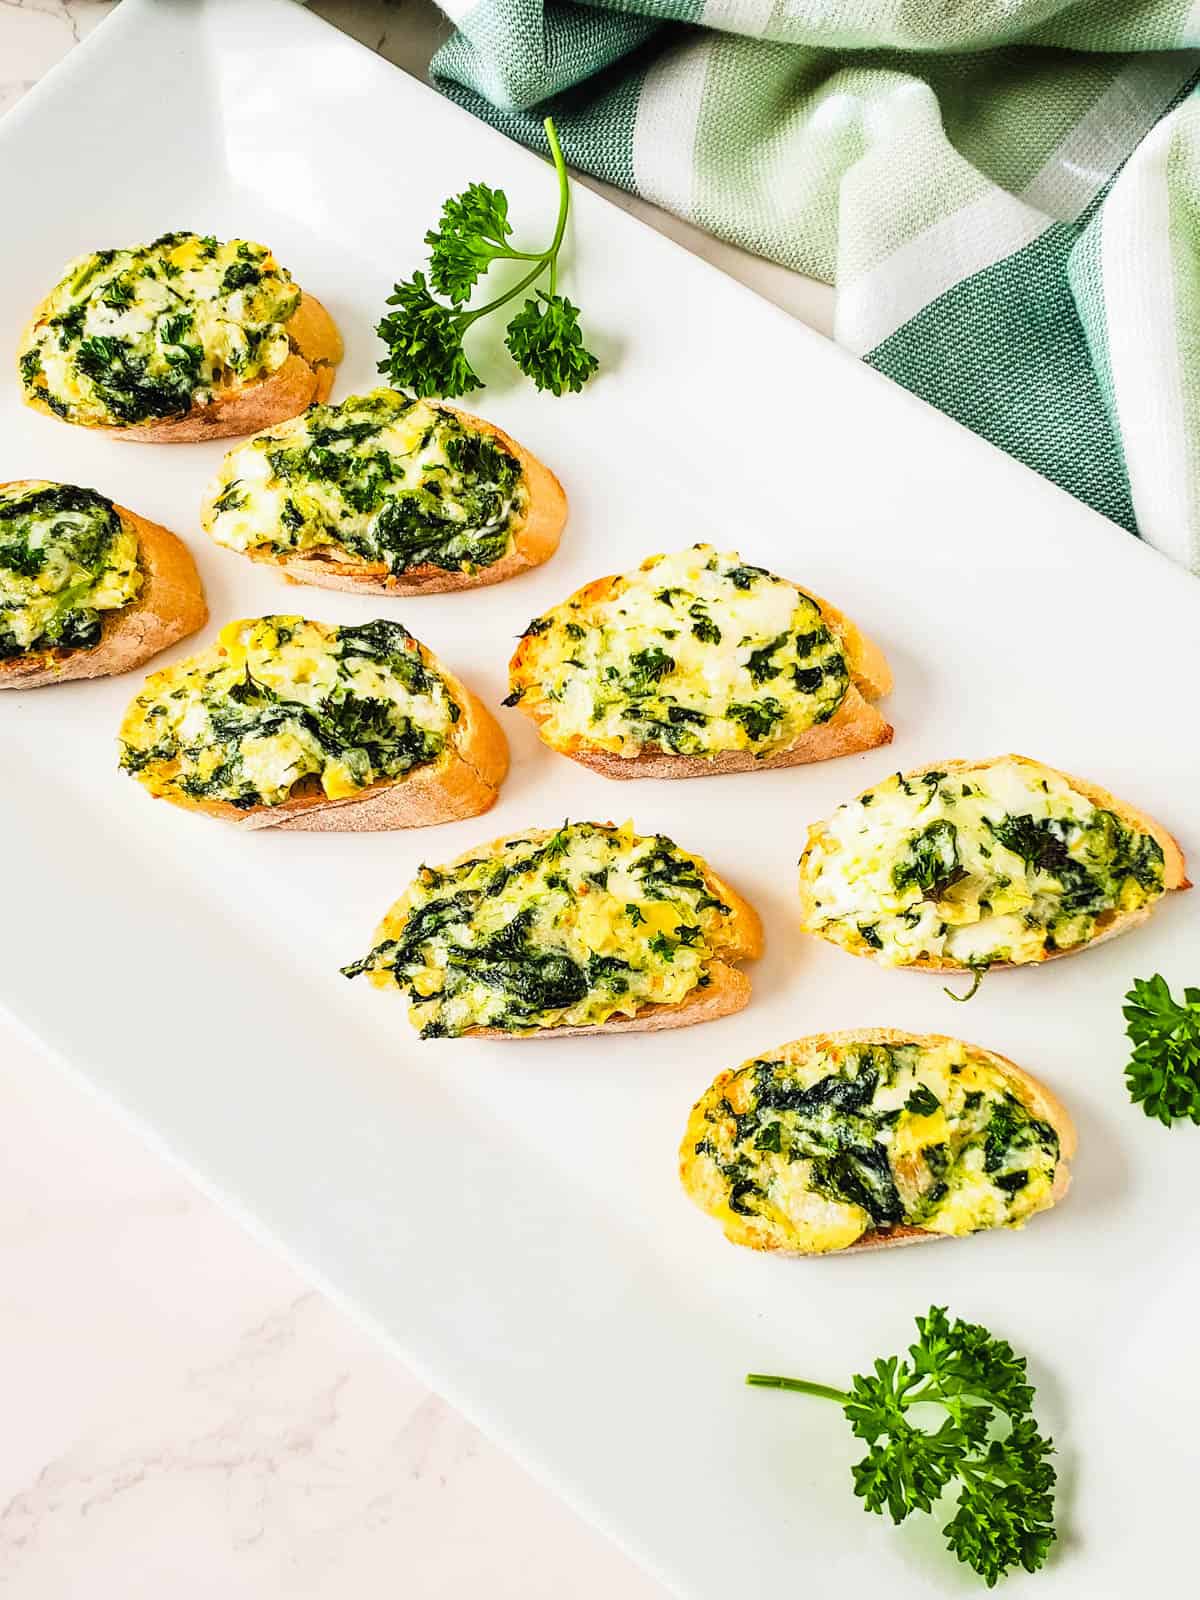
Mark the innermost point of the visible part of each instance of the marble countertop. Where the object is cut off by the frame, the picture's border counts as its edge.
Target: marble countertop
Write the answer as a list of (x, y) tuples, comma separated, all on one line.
[(183, 1415)]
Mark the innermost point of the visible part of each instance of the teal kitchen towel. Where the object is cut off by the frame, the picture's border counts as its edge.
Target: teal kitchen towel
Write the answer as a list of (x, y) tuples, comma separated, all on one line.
[(1006, 193)]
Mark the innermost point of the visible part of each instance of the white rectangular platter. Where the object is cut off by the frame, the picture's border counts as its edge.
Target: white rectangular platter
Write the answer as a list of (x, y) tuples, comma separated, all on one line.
[(507, 1215)]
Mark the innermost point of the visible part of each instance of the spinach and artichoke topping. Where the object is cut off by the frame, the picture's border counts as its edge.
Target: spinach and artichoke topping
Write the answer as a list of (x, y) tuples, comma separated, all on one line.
[(379, 479), (66, 558), (1000, 862), (146, 333), (280, 701), (568, 928), (816, 1146), (694, 653)]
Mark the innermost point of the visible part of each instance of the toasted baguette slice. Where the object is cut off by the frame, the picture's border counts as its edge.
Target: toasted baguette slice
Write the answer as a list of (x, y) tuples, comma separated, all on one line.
[(392, 424), (1108, 923), (462, 781), (212, 287), (778, 1211), (168, 607), (855, 725), (735, 930)]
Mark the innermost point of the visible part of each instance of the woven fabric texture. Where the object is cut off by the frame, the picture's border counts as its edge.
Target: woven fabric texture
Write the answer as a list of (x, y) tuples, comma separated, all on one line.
[(1006, 193)]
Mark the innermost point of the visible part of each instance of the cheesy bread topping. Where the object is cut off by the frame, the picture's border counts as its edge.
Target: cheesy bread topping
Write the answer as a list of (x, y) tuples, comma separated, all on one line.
[(65, 559), (377, 479), (1003, 861), (279, 700), (149, 332), (565, 929), (694, 653), (815, 1145)]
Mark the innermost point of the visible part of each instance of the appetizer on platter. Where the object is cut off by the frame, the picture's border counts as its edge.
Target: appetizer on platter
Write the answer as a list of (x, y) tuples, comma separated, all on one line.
[(854, 1141), (87, 588), (186, 338), (284, 722), (978, 864), (694, 664), (587, 929), (386, 494)]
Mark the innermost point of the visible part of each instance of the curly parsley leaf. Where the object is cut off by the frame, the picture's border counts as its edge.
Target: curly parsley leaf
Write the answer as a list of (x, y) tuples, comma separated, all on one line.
[(545, 341), (1163, 1074), (1004, 1516), (470, 235), (425, 351), (424, 336)]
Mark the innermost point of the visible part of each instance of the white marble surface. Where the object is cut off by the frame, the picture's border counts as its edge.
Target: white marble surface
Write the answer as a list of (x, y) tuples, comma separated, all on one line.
[(182, 1415)]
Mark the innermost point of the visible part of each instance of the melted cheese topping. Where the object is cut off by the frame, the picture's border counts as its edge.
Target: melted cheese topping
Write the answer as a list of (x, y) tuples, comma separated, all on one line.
[(377, 479), (65, 559), (1003, 861), (694, 653), (566, 929), (151, 331), (278, 700), (812, 1147)]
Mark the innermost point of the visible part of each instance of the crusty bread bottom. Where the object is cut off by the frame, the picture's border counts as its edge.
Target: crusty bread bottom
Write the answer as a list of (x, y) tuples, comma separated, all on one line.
[(169, 606)]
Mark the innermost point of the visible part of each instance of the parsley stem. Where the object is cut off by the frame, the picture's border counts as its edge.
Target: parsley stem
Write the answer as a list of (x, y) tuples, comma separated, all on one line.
[(973, 990), (762, 1380), (466, 318), (564, 195), (549, 256)]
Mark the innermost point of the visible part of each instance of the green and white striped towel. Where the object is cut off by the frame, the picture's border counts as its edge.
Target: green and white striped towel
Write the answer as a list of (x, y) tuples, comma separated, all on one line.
[(1005, 192)]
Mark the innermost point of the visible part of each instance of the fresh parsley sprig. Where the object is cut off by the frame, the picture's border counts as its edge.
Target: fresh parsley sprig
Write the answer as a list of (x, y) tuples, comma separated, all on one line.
[(424, 335), (1005, 1514), (1163, 1075)]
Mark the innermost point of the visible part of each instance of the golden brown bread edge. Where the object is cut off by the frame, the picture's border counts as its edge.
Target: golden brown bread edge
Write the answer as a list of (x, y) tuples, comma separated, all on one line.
[(728, 991), (305, 377), (535, 538), (463, 782), (169, 606), (1041, 1102), (855, 726), (1174, 873)]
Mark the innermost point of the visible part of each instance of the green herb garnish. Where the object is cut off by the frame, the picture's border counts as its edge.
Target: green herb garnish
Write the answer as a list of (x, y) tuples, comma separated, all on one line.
[(932, 863), (977, 968), (424, 335), (1163, 1075), (1005, 1508)]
